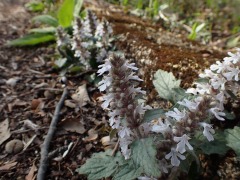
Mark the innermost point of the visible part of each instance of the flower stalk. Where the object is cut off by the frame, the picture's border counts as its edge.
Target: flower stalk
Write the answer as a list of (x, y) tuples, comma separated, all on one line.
[(125, 112)]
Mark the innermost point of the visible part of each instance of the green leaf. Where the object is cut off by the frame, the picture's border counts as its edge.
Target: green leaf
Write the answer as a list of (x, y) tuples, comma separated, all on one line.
[(153, 114), (46, 19), (144, 155), (45, 30), (65, 13), (35, 6), (60, 62), (77, 8), (101, 165), (164, 83), (128, 171), (233, 139), (218, 146), (179, 94), (229, 116), (32, 39)]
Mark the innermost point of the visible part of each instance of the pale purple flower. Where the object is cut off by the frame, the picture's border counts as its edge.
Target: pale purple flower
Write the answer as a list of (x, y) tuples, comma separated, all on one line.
[(192, 106), (182, 143), (174, 155), (217, 113), (207, 131), (178, 115)]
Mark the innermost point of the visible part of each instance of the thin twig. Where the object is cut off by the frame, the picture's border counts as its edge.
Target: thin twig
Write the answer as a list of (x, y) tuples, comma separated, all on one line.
[(45, 146), (115, 148)]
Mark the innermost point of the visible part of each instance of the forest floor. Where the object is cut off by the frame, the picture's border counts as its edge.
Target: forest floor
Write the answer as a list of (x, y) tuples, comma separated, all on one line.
[(30, 90)]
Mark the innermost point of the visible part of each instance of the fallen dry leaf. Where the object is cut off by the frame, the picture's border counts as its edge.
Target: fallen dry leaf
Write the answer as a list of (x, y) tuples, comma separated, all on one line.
[(73, 125), (92, 135), (81, 95), (4, 131), (8, 166), (31, 175), (70, 103)]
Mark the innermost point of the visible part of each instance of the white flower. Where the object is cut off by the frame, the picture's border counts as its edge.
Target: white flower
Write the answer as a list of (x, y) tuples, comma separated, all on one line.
[(217, 113), (203, 88), (146, 178), (221, 98), (164, 165), (107, 99), (234, 58), (233, 72), (192, 106), (104, 67), (103, 84), (124, 132), (217, 82), (131, 66), (124, 143), (182, 143), (178, 115), (161, 127), (207, 131), (207, 74), (218, 67), (174, 155)]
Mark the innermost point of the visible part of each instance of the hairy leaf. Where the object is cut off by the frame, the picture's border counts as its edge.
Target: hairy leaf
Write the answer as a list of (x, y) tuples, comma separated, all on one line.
[(179, 94), (101, 165), (65, 13), (164, 83), (233, 139), (145, 156), (128, 171), (153, 114), (46, 19), (218, 146), (32, 39)]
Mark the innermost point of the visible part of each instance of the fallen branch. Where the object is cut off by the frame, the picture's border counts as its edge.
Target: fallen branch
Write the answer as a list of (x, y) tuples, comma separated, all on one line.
[(45, 146)]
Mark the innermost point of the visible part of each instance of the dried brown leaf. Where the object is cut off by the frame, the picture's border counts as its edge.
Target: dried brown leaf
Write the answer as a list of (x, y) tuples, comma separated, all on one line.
[(8, 166), (81, 95), (73, 125), (4, 131), (92, 135), (31, 175)]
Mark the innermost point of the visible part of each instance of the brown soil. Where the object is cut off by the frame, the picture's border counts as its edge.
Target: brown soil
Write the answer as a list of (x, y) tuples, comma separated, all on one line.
[(150, 46)]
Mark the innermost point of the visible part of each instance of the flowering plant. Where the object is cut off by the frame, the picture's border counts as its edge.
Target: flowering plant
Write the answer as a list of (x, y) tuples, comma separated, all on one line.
[(90, 43), (156, 141)]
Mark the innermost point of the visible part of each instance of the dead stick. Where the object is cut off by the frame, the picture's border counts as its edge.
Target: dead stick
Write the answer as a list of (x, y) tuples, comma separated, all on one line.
[(45, 146)]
